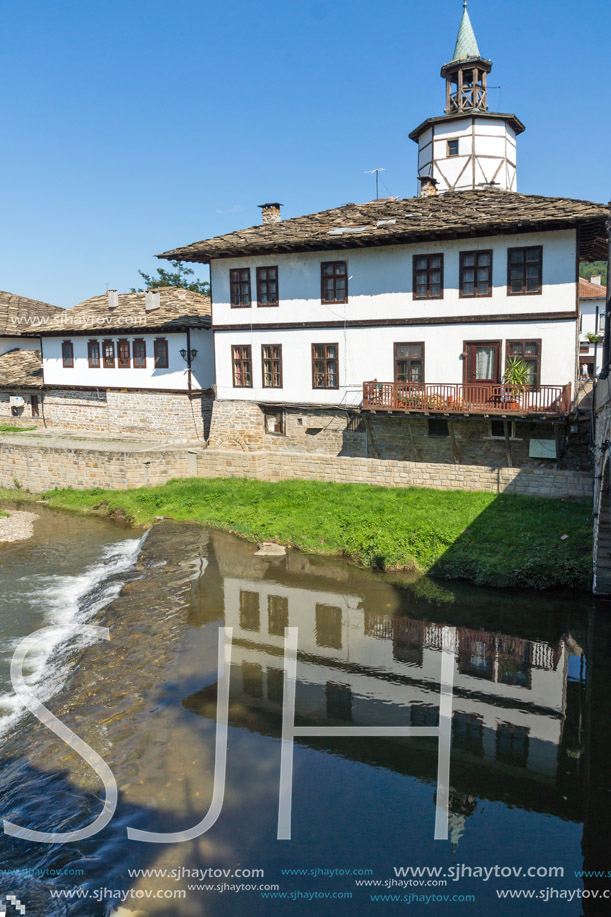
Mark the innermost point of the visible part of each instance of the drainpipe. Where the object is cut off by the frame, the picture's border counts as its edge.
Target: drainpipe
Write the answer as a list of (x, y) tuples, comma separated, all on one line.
[(189, 358)]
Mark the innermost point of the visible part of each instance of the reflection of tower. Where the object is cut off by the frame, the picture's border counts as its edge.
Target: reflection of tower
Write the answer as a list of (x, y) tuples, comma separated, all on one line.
[(468, 147), (461, 807)]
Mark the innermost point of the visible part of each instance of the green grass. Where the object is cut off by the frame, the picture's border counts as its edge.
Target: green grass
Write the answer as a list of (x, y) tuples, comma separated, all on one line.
[(505, 541), (13, 428)]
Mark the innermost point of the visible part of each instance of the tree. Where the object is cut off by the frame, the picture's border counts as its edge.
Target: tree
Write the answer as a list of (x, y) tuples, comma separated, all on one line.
[(594, 269), (179, 277)]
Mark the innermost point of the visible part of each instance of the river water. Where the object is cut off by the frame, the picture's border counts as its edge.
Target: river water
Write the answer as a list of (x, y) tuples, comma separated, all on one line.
[(529, 786)]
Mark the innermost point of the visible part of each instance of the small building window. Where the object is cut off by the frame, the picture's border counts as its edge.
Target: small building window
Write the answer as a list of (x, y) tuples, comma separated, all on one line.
[(123, 355), (93, 354), (249, 610), (524, 270), (267, 286), (277, 614), (274, 421), (108, 354), (530, 353), (34, 405), (239, 279), (475, 274), (328, 626), (252, 679), (438, 427), (512, 744), (497, 429), (409, 362), (271, 359), (452, 147), (67, 354), (339, 701), (241, 357), (161, 353), (428, 276), (324, 366), (334, 282), (139, 353)]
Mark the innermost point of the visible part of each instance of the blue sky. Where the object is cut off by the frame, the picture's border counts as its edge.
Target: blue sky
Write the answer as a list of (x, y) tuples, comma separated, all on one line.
[(132, 127)]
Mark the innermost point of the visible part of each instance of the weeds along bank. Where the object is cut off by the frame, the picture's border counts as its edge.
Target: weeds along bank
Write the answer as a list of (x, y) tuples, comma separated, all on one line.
[(503, 540)]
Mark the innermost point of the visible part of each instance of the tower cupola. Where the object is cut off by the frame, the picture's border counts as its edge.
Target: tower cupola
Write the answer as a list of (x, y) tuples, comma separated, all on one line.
[(468, 147)]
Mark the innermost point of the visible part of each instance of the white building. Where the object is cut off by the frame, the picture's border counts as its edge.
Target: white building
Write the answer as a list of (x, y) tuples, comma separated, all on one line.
[(136, 362), (592, 301)]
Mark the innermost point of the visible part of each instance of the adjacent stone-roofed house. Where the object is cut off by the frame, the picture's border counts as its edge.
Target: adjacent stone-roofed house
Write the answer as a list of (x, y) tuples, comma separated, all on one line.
[(592, 303), (454, 215), (21, 369), (20, 316), (588, 290), (166, 308)]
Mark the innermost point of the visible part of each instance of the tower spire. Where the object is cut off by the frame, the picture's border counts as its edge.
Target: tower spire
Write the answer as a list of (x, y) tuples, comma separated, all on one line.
[(466, 42)]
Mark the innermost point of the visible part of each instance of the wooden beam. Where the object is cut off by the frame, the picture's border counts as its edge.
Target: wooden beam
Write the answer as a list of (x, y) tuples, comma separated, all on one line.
[(506, 428), (370, 435), (412, 439), (453, 440)]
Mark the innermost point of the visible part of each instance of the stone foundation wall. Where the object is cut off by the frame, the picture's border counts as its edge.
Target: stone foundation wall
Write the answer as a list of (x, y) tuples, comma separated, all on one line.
[(334, 432), (174, 415)]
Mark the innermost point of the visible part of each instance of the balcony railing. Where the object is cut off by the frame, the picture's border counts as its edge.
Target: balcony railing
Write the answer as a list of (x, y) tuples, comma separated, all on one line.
[(472, 398)]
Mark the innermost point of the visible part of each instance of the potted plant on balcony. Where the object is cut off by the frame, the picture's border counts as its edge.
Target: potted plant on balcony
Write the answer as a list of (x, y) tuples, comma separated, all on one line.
[(517, 378)]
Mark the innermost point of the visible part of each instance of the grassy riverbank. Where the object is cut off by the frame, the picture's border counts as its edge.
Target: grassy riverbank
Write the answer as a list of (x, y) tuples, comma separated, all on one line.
[(505, 540)]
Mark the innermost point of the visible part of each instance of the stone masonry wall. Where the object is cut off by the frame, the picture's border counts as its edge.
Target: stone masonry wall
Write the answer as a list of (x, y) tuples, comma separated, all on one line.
[(172, 414)]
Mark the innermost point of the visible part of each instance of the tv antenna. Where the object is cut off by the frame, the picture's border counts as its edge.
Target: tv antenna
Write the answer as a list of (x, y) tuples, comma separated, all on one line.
[(375, 172)]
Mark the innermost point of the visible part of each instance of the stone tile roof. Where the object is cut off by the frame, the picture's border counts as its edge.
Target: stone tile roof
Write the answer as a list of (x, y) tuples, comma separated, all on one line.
[(19, 314), (453, 215), (589, 290), (179, 308), (21, 369)]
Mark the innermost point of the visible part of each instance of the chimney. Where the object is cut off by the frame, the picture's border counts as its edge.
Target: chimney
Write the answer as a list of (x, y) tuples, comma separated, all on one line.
[(271, 212), (113, 299), (597, 280), (152, 300), (428, 186)]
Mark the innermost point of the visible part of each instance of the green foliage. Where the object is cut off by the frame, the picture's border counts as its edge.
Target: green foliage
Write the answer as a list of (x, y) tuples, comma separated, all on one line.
[(593, 269), (179, 277), (593, 338), (14, 428), (507, 540), (516, 372)]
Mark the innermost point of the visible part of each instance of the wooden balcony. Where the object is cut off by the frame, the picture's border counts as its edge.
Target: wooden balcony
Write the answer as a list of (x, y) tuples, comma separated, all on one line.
[(472, 398)]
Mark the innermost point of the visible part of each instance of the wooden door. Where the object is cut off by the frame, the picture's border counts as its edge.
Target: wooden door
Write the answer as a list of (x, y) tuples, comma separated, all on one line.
[(483, 361)]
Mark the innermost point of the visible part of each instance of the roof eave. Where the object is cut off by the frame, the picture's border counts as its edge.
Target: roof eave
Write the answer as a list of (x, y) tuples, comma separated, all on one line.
[(513, 120)]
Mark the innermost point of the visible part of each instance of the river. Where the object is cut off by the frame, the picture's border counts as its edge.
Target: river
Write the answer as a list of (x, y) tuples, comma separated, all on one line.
[(529, 785)]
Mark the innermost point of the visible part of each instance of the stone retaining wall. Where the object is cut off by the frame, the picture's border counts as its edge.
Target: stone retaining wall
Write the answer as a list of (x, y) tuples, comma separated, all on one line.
[(38, 468)]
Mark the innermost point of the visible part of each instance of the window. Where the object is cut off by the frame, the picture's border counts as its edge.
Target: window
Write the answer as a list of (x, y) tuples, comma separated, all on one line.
[(277, 614), (324, 366), (67, 354), (93, 354), (428, 276), (161, 353), (242, 366), (476, 657), (275, 684), (424, 715), (108, 354), (497, 429), (329, 626), (438, 427), (339, 701), (409, 362), (252, 679), (34, 405), (271, 357), (530, 353), (239, 279), (334, 282), (267, 286), (139, 353), (512, 744), (123, 355), (249, 610), (452, 147), (468, 733), (475, 274), (274, 421), (483, 361), (524, 270)]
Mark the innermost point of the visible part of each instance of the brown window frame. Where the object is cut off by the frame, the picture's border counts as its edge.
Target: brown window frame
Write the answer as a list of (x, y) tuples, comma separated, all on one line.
[(524, 291), (465, 267), (238, 285), (245, 365), (408, 360), (67, 354), (121, 362), (271, 360), (429, 271), (271, 412), (161, 362), (498, 345), (261, 281), (527, 358), (106, 364), (334, 276), (93, 347), (457, 153), (326, 359), (139, 362)]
